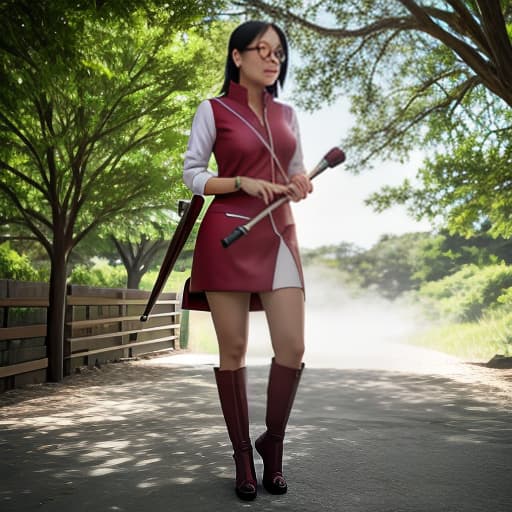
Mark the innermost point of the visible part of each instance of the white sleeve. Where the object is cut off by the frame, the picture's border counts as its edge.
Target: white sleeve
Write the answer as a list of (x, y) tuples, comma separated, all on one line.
[(199, 149), (297, 162)]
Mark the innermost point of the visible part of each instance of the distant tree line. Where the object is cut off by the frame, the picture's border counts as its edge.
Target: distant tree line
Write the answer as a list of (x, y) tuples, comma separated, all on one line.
[(455, 278)]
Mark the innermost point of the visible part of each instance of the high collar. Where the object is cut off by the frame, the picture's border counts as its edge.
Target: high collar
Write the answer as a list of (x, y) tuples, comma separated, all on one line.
[(240, 94)]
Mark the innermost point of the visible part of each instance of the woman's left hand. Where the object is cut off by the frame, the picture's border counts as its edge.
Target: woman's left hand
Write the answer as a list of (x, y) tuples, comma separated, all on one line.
[(299, 187)]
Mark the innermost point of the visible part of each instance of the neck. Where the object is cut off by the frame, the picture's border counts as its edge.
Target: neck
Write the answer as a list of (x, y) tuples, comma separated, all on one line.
[(254, 93)]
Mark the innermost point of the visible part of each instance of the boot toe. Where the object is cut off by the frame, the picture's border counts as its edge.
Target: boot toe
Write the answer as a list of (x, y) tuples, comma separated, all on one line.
[(246, 491), (276, 485)]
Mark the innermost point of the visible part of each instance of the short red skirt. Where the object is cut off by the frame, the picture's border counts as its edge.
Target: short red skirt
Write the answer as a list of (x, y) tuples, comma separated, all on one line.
[(248, 265)]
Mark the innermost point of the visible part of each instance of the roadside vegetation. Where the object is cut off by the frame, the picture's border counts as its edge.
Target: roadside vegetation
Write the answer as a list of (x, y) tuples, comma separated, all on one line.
[(462, 286)]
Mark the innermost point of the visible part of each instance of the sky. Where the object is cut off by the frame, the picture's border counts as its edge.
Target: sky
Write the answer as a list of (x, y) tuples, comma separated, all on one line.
[(336, 212)]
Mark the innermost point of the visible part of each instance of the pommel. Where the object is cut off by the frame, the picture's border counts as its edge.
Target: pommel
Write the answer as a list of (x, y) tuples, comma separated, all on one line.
[(334, 157)]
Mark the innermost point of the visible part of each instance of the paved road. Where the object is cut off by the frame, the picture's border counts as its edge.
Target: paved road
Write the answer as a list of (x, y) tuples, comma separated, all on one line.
[(149, 436)]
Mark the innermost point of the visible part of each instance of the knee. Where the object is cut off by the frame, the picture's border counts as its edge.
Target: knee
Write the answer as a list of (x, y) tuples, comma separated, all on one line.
[(235, 349), (297, 351), (291, 353)]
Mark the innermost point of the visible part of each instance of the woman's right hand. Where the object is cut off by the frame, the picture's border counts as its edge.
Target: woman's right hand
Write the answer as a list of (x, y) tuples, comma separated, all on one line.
[(263, 189)]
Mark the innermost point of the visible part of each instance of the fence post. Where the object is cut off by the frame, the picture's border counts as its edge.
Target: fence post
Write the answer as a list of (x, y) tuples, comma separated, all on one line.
[(68, 331), (184, 328)]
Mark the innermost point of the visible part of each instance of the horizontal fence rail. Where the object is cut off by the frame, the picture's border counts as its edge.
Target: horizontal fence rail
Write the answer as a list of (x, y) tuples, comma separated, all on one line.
[(102, 324)]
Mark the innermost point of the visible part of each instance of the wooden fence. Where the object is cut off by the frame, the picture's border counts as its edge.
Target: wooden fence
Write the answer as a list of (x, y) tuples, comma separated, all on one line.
[(102, 324)]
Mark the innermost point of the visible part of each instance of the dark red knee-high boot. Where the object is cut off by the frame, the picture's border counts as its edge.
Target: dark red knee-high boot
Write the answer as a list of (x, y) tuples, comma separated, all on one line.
[(282, 387), (233, 400)]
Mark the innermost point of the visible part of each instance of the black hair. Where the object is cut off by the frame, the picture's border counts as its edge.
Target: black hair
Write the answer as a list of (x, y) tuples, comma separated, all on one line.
[(240, 39)]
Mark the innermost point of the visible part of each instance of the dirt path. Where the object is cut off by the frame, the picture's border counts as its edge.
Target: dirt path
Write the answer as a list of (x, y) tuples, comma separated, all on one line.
[(149, 435)]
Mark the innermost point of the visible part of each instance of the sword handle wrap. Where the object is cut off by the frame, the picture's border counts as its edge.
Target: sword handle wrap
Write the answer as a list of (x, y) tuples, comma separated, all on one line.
[(237, 233)]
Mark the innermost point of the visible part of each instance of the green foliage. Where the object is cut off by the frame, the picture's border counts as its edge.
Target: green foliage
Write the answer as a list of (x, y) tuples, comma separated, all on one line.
[(505, 298), (93, 120), (401, 64), (389, 265), (15, 266), (466, 183), (184, 328), (444, 254), (100, 274), (174, 283), (397, 264), (473, 341), (467, 294), (330, 255)]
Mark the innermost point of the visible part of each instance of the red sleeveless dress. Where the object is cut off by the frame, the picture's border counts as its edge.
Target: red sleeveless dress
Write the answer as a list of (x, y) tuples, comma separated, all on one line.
[(258, 261)]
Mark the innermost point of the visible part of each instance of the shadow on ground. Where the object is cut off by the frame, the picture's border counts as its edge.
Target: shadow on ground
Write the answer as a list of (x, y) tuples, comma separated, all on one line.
[(136, 437)]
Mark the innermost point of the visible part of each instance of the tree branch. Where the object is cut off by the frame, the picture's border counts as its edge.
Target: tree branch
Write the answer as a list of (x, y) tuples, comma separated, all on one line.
[(472, 58), (26, 142), (404, 22), (468, 25), (26, 215), (393, 132), (496, 32), (121, 250), (23, 177), (114, 159)]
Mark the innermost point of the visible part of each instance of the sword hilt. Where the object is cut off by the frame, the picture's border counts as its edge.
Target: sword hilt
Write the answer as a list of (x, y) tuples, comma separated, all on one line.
[(237, 233)]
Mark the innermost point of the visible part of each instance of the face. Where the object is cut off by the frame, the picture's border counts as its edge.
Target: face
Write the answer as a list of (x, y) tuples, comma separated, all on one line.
[(258, 63)]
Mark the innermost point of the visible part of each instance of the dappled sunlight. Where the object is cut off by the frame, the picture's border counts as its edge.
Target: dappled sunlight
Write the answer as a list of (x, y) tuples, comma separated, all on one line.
[(366, 431)]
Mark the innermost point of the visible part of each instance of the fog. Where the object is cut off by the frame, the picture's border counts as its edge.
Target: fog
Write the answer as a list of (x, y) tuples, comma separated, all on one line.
[(344, 329)]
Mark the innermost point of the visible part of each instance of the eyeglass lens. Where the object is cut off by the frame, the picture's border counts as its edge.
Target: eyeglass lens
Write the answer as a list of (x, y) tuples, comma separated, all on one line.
[(265, 51)]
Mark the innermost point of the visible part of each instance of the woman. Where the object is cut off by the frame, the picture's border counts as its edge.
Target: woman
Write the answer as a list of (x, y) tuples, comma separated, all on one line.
[(255, 140)]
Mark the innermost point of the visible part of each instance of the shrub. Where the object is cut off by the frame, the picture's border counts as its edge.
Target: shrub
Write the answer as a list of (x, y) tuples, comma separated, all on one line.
[(15, 266), (100, 274), (467, 294)]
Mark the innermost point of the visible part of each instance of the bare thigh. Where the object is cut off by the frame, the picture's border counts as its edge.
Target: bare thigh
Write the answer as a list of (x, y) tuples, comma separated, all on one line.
[(230, 315), (284, 309)]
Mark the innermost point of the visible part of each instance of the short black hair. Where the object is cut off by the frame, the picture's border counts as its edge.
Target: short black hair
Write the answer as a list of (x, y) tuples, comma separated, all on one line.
[(240, 39)]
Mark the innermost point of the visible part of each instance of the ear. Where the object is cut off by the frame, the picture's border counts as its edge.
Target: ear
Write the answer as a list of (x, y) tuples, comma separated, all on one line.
[(237, 57)]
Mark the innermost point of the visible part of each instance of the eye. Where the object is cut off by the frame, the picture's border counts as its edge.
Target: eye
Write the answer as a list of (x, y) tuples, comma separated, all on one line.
[(280, 55)]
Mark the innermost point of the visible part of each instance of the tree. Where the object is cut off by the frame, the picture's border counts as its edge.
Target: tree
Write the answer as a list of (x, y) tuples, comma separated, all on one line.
[(466, 185), (401, 63), (138, 249), (389, 265), (90, 92)]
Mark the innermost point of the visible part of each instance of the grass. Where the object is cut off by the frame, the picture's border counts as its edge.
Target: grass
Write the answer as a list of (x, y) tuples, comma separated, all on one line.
[(202, 333), (174, 283), (476, 341)]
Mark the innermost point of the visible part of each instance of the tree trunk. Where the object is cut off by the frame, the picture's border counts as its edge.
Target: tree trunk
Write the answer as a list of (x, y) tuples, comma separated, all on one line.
[(56, 314), (134, 277)]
